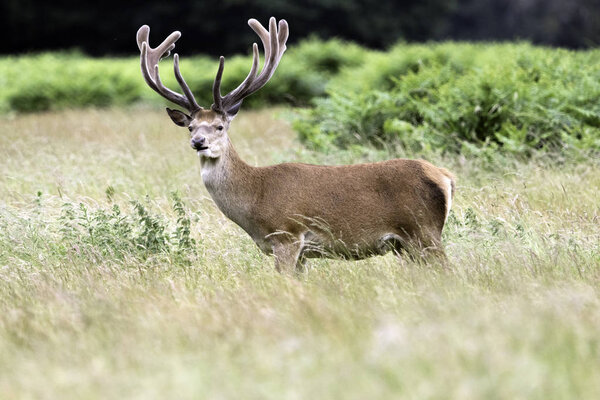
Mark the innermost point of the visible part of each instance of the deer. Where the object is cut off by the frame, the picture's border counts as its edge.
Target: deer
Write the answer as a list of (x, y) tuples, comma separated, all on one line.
[(296, 211)]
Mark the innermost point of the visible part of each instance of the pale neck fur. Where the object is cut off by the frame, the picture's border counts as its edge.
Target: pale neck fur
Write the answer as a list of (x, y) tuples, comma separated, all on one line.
[(229, 180)]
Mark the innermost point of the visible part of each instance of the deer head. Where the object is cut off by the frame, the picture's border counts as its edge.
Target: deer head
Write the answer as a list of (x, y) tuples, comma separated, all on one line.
[(208, 127)]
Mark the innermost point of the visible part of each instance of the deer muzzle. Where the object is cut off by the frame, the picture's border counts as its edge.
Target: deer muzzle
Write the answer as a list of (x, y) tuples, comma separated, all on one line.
[(198, 143)]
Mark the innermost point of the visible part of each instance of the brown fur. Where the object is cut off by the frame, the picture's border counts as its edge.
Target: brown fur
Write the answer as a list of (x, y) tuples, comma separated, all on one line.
[(294, 211), (302, 210)]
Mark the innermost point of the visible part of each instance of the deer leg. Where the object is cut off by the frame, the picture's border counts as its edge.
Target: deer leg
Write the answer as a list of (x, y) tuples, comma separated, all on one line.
[(301, 263), (394, 243), (287, 255), (431, 249), (435, 254), (400, 253), (426, 246)]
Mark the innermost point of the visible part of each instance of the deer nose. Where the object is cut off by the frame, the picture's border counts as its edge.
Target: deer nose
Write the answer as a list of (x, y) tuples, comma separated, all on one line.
[(198, 143)]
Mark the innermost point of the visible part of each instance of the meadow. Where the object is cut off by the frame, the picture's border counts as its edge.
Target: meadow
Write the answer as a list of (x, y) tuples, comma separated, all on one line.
[(119, 278)]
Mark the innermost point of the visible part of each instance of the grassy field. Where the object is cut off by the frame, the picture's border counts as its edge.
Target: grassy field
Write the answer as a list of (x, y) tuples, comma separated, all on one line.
[(91, 308)]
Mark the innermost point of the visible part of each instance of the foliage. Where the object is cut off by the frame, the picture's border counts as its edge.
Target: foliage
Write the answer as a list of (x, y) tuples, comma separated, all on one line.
[(53, 81), (462, 97), (102, 234), (456, 97)]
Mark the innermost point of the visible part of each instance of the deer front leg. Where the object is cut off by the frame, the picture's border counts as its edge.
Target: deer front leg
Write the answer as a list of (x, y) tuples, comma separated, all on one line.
[(287, 253)]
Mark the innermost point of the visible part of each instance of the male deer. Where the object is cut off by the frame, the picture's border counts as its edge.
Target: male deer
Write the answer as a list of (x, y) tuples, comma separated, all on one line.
[(292, 210)]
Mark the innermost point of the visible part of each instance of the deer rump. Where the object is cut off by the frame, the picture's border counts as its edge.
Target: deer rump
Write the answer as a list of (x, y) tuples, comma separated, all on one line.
[(349, 211)]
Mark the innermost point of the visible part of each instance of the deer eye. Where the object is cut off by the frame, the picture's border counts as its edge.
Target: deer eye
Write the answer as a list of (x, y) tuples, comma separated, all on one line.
[(190, 128), (220, 127)]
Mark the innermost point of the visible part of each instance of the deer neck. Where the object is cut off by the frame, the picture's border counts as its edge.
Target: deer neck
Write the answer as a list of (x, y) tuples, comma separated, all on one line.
[(229, 180)]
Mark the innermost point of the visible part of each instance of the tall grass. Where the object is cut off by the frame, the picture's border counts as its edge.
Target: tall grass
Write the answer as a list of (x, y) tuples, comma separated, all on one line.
[(90, 308)]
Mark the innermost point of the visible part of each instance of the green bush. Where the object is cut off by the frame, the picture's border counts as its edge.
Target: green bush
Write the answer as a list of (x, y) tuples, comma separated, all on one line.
[(113, 233), (462, 97), (446, 96), (60, 80), (53, 81)]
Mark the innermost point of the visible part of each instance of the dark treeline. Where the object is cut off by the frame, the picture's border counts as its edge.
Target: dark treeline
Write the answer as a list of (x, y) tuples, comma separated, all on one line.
[(108, 27)]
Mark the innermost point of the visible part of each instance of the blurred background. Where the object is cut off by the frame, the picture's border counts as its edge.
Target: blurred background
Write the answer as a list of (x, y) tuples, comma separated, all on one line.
[(516, 75), (213, 27)]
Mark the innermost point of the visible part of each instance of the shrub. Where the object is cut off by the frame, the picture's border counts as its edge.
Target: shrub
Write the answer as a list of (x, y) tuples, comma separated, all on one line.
[(462, 97), (116, 234), (52, 81), (60, 80)]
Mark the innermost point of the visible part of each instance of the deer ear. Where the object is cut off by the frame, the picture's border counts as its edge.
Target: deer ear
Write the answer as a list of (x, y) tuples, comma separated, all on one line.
[(180, 118), (233, 110)]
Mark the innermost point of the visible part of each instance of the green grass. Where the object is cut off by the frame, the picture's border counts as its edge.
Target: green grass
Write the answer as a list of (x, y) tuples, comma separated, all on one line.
[(86, 315)]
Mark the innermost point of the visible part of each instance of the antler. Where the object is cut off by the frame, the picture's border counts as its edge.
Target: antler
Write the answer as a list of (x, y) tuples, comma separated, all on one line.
[(149, 59), (273, 42)]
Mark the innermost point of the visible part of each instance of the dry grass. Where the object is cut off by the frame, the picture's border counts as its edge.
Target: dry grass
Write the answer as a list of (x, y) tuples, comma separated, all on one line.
[(517, 315)]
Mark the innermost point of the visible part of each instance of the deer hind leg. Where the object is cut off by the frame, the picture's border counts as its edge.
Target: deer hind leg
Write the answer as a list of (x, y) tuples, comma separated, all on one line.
[(434, 254), (390, 242), (429, 248), (394, 243), (426, 246)]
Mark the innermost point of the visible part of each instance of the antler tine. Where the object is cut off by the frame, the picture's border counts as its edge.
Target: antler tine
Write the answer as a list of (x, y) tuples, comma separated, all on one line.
[(218, 105), (273, 42), (242, 87), (153, 80), (271, 61), (144, 66), (284, 33), (182, 83), (263, 34), (165, 91), (149, 59)]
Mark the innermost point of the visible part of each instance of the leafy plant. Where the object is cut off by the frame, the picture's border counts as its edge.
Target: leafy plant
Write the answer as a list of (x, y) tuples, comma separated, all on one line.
[(136, 233), (461, 97), (51, 81)]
